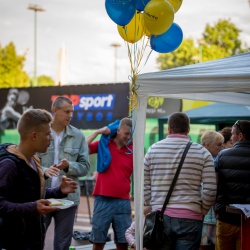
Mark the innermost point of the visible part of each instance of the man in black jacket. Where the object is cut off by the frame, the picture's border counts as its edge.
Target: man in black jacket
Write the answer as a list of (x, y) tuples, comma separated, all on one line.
[(233, 172), (22, 195)]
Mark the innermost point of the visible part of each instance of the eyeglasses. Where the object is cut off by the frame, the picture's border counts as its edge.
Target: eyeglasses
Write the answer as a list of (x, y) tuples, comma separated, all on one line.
[(238, 124)]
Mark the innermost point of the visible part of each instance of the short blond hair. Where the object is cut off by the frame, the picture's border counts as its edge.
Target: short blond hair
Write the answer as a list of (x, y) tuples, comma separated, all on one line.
[(211, 136), (126, 121)]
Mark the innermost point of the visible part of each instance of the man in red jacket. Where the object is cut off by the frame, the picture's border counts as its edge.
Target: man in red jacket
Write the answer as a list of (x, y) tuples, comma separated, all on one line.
[(112, 189)]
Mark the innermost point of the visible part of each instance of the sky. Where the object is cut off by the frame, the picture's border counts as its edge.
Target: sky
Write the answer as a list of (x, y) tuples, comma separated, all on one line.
[(86, 31)]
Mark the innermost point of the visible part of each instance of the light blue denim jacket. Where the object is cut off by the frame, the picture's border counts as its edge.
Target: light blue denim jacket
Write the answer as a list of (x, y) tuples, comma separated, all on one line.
[(74, 148)]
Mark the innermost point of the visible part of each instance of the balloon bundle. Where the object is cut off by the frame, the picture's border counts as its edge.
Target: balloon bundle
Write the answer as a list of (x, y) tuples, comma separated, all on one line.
[(144, 23)]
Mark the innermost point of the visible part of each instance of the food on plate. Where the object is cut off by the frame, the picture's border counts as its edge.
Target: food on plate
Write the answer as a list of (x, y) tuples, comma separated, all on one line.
[(55, 202)]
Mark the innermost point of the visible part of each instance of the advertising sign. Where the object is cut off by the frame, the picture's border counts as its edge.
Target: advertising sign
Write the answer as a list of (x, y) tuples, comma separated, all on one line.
[(159, 106), (95, 105)]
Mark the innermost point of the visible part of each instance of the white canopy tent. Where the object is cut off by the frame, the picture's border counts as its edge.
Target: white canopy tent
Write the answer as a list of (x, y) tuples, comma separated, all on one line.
[(224, 80)]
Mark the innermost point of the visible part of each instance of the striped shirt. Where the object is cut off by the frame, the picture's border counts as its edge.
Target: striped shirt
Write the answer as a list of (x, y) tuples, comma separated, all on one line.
[(195, 188)]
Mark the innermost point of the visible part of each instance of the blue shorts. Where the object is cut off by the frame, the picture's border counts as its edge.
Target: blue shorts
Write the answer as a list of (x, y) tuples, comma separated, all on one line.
[(109, 211)]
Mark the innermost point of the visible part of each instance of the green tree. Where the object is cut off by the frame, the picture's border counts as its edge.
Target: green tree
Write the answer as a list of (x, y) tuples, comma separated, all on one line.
[(44, 81), (224, 35), (183, 55), (12, 73), (11, 68), (218, 41)]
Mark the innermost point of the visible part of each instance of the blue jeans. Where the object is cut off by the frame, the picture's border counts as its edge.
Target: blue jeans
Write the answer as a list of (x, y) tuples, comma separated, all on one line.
[(185, 234), (64, 221)]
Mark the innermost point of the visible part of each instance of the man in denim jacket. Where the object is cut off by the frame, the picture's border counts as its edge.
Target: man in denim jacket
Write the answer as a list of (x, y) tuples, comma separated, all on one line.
[(66, 155)]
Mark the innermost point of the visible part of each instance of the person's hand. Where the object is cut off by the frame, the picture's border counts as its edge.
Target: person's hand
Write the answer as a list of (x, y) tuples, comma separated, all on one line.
[(52, 171), (68, 185), (44, 208), (64, 164)]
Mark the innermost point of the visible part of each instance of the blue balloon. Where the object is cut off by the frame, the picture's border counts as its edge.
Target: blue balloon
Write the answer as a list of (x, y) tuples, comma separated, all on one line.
[(121, 11), (168, 41), (140, 4)]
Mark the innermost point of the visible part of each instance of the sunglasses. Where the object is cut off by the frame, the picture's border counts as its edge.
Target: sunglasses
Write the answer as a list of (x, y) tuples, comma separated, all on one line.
[(238, 124)]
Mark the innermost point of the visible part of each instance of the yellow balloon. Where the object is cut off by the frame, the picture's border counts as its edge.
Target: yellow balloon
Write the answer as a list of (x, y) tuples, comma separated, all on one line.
[(176, 4), (158, 16), (134, 30)]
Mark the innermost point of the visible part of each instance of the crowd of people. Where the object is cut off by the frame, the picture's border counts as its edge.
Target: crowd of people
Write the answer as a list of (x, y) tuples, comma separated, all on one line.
[(214, 175), (52, 155)]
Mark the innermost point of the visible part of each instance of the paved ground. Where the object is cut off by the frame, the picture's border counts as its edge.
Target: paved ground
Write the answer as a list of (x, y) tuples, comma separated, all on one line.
[(82, 223)]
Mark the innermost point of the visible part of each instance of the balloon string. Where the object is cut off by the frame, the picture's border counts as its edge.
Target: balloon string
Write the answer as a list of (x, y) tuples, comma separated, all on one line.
[(132, 134), (142, 52), (148, 57), (133, 95), (136, 53)]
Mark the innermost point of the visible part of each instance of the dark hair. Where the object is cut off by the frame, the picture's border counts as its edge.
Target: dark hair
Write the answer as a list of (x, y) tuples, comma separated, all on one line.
[(243, 126), (226, 132), (58, 102), (179, 122)]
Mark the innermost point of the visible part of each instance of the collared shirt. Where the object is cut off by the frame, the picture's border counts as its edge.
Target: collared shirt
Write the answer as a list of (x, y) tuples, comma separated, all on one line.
[(115, 181)]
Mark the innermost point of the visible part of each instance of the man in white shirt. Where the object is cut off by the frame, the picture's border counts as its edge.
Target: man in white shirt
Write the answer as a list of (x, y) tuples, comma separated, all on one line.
[(68, 153)]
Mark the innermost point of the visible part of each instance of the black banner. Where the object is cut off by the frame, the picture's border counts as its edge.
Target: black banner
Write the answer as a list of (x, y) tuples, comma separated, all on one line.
[(95, 105), (159, 106)]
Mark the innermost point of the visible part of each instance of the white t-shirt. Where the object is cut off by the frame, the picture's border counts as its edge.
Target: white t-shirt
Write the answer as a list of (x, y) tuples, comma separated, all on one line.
[(57, 140)]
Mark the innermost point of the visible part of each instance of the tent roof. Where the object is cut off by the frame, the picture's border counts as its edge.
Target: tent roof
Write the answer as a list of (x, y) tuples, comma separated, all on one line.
[(223, 80), (217, 113)]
